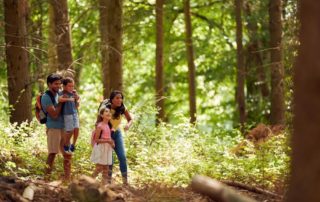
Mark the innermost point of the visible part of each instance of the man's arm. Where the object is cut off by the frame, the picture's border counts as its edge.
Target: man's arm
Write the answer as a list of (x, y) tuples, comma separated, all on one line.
[(54, 112)]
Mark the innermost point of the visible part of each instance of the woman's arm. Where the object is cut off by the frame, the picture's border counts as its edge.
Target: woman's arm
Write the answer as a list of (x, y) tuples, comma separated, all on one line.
[(129, 119)]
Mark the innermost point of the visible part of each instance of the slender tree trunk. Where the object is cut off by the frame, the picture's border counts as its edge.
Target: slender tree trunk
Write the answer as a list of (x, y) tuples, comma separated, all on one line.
[(191, 65), (277, 69), (304, 183), (78, 66), (255, 54), (17, 58), (114, 22), (37, 38), (240, 66), (261, 71), (104, 47), (159, 60), (63, 35), (52, 43)]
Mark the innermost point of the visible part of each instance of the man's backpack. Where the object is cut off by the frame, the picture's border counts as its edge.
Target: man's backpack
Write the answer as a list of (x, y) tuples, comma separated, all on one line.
[(40, 114)]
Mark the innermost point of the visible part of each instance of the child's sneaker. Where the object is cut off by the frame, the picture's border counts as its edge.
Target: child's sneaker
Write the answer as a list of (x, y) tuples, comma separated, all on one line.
[(66, 149), (72, 147)]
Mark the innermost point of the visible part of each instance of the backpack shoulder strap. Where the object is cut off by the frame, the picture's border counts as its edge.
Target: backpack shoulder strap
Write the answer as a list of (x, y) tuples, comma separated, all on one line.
[(48, 92)]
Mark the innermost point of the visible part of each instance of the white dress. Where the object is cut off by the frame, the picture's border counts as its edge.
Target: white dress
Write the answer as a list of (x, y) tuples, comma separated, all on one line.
[(102, 152)]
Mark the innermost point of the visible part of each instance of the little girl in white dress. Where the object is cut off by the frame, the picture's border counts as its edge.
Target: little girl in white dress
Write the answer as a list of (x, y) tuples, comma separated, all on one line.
[(103, 144)]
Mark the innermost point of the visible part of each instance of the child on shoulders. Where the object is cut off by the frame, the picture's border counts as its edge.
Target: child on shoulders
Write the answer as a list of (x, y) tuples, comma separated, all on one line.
[(70, 114)]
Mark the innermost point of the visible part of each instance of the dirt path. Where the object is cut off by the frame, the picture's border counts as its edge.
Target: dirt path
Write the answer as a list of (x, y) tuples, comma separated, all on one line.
[(12, 189)]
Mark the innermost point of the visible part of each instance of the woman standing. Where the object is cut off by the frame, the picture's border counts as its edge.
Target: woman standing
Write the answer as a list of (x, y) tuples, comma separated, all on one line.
[(118, 110)]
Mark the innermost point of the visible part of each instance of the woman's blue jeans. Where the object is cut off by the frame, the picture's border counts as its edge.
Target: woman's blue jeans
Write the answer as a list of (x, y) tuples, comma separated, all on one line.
[(120, 152)]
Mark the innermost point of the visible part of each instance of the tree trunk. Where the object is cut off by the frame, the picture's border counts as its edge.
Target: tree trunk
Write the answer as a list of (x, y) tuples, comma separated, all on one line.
[(277, 70), (114, 20), (255, 55), (62, 31), (37, 38), (104, 47), (159, 60), (17, 58), (240, 97), (191, 65), (52, 43), (304, 182)]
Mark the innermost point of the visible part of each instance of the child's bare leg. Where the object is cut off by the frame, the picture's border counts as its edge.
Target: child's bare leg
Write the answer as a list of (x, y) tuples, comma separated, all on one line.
[(97, 170), (67, 136), (75, 135), (105, 175)]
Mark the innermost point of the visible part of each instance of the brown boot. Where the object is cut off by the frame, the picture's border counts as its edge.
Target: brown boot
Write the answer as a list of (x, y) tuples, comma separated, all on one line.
[(49, 166), (125, 180), (67, 167)]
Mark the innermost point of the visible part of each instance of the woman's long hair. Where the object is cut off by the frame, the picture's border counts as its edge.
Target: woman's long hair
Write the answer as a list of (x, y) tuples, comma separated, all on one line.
[(119, 110), (100, 119)]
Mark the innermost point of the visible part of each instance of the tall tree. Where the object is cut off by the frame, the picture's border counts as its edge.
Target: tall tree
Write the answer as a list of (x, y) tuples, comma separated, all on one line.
[(36, 32), (304, 183), (277, 69), (254, 54), (63, 34), (159, 60), (115, 42), (191, 65), (17, 58), (52, 42), (240, 97), (103, 27)]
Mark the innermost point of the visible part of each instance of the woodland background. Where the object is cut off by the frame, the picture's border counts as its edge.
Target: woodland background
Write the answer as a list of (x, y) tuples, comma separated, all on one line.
[(209, 84)]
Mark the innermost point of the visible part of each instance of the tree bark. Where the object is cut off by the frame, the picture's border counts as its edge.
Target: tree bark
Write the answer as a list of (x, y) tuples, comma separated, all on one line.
[(36, 40), (104, 49), (52, 43), (254, 53), (304, 182), (115, 43), (216, 190), (17, 58), (62, 32), (240, 97), (191, 65), (277, 115), (159, 60)]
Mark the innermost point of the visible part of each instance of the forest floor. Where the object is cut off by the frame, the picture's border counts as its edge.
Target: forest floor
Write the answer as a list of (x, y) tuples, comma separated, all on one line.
[(12, 189)]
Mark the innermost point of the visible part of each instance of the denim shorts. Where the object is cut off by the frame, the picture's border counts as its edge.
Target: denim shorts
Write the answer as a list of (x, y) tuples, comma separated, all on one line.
[(71, 121)]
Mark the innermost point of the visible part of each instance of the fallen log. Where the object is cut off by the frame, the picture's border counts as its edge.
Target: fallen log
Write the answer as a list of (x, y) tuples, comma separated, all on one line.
[(217, 190), (251, 188), (86, 189)]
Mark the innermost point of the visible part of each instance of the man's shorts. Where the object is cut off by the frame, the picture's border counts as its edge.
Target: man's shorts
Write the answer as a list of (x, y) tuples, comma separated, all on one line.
[(71, 121), (54, 140)]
